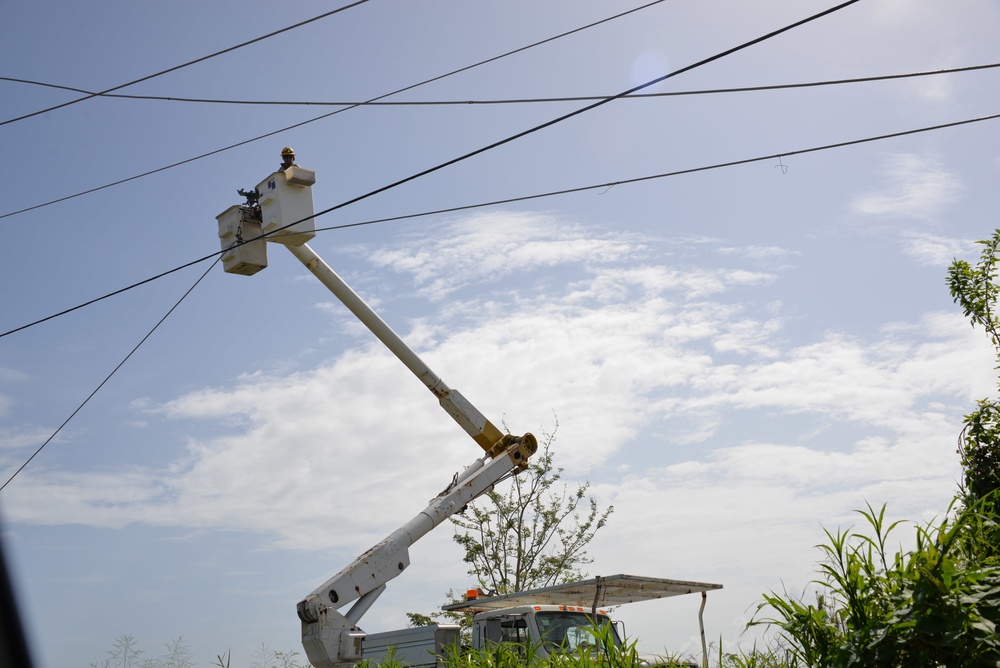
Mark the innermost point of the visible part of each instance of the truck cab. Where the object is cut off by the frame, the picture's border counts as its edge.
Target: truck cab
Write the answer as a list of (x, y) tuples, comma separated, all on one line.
[(544, 628), (562, 617)]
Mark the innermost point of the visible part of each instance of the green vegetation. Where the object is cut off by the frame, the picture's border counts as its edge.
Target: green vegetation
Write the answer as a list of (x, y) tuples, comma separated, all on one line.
[(534, 534), (604, 652), (937, 605), (126, 653), (975, 289)]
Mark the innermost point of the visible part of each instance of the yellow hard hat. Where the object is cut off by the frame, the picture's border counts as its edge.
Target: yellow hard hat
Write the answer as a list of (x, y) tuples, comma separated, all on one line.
[(288, 150)]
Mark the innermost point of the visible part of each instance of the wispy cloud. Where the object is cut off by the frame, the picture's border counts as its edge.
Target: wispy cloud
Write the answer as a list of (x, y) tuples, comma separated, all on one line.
[(11, 375), (637, 359), (759, 253), (498, 245), (915, 186), (14, 438), (935, 250)]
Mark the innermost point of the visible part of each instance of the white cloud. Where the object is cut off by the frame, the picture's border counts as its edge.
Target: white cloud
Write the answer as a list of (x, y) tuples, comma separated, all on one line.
[(934, 89), (915, 187), (758, 253), (934, 250), (615, 283), (11, 375), (14, 438), (840, 377), (499, 244), (628, 346), (7, 402)]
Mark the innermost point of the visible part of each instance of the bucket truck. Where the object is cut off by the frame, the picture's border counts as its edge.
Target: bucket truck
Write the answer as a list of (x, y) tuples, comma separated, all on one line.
[(280, 210)]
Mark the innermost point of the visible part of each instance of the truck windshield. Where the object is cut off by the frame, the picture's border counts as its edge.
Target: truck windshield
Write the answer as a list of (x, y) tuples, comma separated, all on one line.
[(571, 630)]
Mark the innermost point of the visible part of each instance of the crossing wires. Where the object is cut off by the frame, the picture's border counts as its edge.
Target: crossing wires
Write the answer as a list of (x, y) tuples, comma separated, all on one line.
[(189, 63), (470, 155), (333, 113), (532, 100), (109, 376), (453, 161)]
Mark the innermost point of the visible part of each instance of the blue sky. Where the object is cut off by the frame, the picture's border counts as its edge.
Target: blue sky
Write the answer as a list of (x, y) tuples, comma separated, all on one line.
[(737, 358)]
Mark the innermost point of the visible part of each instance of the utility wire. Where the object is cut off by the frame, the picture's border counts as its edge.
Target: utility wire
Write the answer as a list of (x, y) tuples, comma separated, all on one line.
[(524, 198), (534, 100), (487, 148), (332, 113), (155, 327), (589, 107), (187, 64), (450, 210), (640, 179), (112, 294), (108, 377)]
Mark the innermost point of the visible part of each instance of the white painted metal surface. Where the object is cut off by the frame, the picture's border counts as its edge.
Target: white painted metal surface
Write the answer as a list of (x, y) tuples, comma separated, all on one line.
[(484, 432), (286, 198), (236, 232), (592, 593)]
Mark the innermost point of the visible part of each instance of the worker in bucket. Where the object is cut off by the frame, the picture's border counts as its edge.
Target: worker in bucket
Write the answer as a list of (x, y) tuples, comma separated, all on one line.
[(287, 158)]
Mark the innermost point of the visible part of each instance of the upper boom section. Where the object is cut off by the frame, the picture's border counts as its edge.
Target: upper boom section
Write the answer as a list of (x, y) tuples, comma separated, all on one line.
[(475, 424), (281, 208)]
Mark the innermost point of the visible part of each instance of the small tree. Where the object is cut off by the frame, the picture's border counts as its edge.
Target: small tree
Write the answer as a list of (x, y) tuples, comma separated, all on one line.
[(178, 655), (533, 535), (125, 653), (976, 290)]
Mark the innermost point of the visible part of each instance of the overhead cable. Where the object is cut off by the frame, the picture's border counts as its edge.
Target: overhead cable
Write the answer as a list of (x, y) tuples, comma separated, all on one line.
[(183, 65), (652, 177), (327, 115), (120, 364), (524, 198), (535, 100), (491, 146), (108, 377), (589, 107)]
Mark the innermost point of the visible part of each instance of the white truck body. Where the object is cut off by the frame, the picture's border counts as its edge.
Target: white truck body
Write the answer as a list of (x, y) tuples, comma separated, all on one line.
[(557, 618), (420, 646)]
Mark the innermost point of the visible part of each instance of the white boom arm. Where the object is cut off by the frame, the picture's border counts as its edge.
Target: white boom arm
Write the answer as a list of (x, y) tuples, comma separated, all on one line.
[(464, 413), (332, 639)]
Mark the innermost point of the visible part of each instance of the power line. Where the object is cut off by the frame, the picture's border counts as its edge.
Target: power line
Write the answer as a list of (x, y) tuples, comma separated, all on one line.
[(187, 64), (592, 106), (112, 294), (533, 100), (652, 177), (465, 156), (524, 198), (108, 377), (450, 210), (480, 150), (138, 345), (332, 113)]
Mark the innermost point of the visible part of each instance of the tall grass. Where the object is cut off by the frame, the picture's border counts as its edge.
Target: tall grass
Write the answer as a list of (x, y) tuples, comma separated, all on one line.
[(937, 605), (606, 651)]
